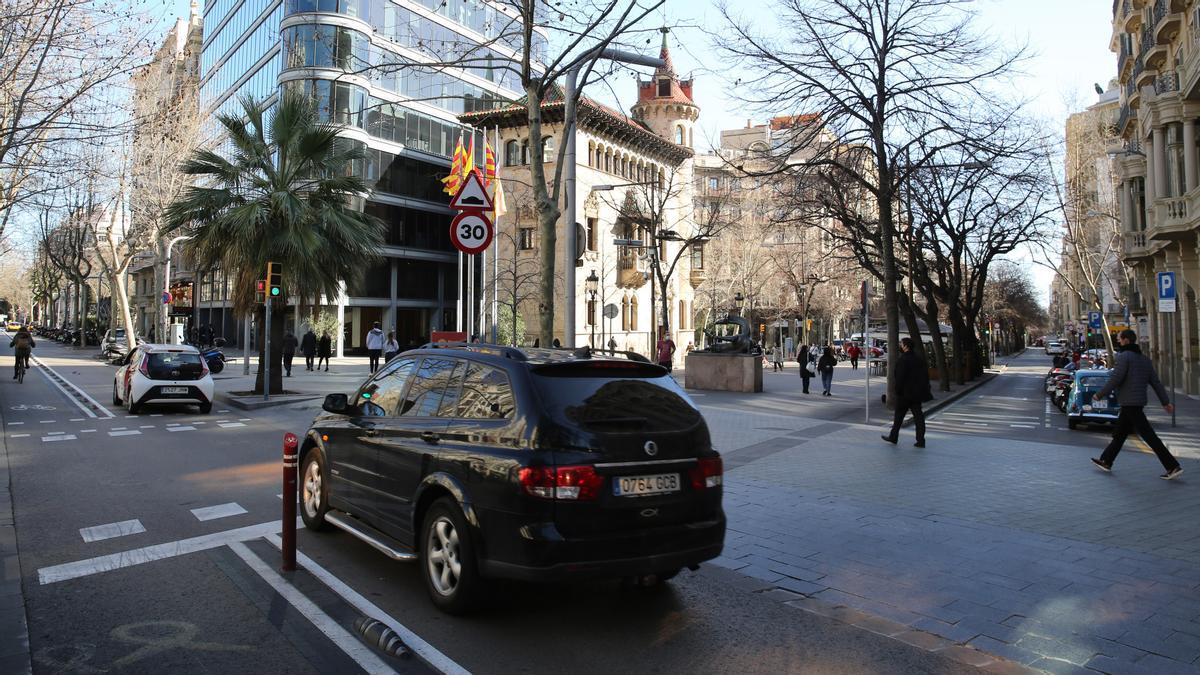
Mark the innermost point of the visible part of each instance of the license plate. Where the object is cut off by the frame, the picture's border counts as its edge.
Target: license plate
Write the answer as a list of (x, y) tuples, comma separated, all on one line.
[(633, 486), (1050, 387), (174, 390), (1100, 405)]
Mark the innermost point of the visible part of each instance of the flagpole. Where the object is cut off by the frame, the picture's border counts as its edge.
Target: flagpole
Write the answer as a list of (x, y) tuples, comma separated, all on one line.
[(496, 249)]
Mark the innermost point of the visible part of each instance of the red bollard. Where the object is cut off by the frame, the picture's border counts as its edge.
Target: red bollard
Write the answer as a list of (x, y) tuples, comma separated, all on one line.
[(289, 501)]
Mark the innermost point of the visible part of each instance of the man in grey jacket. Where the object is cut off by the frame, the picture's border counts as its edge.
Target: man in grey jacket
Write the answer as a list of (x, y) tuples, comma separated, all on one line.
[(1133, 373)]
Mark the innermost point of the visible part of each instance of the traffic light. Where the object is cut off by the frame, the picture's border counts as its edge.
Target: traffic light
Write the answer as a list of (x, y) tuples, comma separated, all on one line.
[(275, 279), (260, 291)]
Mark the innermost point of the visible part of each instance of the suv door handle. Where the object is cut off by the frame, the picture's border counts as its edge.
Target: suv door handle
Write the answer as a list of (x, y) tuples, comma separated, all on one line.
[(429, 437)]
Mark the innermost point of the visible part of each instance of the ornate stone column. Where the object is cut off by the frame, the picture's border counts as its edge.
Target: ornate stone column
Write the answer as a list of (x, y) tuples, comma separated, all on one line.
[(1189, 154)]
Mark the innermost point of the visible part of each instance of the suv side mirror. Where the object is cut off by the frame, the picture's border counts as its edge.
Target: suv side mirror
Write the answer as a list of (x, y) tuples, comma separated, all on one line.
[(336, 403)]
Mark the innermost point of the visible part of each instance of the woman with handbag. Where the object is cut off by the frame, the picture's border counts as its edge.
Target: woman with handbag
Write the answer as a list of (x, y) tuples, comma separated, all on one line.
[(806, 362)]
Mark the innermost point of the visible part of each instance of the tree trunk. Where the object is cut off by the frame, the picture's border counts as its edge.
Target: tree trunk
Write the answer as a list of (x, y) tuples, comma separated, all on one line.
[(914, 329), (117, 282), (939, 349), (890, 296), (960, 329)]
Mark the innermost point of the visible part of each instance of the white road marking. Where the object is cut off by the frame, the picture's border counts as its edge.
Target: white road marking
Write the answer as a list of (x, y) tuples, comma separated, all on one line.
[(421, 648), (68, 437), (131, 432), (199, 422), (1023, 426), (55, 433), (146, 426), (46, 422), (51, 375), (13, 424), (354, 648), (218, 511), (111, 530), (87, 431), (18, 435), (245, 419), (78, 419), (156, 414), (119, 428), (230, 425), (223, 411), (138, 556), (183, 428)]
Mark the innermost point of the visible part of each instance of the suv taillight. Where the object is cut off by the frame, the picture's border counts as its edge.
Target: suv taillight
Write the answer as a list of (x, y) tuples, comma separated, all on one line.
[(575, 483), (203, 366), (144, 367), (707, 473)]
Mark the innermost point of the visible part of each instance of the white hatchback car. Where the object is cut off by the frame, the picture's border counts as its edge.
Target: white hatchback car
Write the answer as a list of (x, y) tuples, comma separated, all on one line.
[(154, 373)]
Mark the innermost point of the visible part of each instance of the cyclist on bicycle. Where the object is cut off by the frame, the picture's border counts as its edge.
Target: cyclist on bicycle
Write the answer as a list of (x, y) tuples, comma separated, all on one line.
[(24, 344)]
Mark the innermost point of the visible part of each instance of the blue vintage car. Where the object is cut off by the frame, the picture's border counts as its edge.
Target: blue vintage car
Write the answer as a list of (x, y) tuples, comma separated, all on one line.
[(1080, 407)]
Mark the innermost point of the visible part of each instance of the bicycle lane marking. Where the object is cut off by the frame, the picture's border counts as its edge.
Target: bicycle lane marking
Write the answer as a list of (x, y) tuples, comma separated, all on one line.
[(58, 381)]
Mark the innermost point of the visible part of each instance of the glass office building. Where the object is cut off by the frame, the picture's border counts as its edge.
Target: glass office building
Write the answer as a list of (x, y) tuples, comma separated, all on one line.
[(367, 63)]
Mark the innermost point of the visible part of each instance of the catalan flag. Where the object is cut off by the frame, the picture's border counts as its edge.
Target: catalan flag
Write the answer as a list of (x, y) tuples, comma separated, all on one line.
[(469, 159), (499, 206), (489, 163), (454, 180)]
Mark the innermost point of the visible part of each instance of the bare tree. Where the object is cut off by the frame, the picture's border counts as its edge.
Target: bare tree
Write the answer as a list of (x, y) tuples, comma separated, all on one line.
[(896, 80)]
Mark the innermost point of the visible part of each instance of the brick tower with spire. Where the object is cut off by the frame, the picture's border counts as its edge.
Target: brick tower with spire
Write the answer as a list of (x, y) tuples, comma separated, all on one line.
[(665, 104)]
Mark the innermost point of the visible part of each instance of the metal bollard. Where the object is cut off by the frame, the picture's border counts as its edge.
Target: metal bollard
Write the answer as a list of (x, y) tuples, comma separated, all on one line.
[(289, 501)]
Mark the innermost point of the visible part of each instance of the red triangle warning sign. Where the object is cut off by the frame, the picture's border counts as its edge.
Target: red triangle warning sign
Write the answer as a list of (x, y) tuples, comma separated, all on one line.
[(472, 195)]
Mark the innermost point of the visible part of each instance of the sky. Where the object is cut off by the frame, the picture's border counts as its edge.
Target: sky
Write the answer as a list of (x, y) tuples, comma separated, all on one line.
[(1067, 41)]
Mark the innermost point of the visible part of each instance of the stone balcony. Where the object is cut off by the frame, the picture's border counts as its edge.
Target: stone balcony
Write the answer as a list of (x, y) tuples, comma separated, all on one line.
[(1176, 217), (632, 270), (1168, 17), (1136, 246), (697, 277)]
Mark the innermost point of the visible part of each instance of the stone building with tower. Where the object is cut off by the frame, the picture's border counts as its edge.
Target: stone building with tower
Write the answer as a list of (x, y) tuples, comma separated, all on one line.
[(633, 178)]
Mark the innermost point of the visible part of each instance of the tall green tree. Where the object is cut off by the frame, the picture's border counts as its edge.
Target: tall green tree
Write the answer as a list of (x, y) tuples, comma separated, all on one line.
[(282, 192)]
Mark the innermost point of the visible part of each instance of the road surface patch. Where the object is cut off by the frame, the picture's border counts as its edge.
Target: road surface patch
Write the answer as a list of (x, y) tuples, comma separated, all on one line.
[(218, 511), (111, 530)]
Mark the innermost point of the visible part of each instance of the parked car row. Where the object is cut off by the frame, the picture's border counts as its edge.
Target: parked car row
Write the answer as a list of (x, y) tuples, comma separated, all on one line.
[(1071, 391)]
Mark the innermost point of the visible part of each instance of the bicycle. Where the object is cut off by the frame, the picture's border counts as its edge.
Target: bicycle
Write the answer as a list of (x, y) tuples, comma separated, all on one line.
[(21, 368)]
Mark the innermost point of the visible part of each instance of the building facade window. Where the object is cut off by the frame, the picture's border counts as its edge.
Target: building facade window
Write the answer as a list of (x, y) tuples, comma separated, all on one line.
[(633, 313), (548, 149), (525, 238), (625, 314), (664, 87), (512, 153), (1175, 178), (697, 256), (679, 137), (592, 226)]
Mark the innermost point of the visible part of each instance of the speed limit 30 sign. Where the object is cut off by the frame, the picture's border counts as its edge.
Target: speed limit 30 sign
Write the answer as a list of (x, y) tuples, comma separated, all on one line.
[(471, 232)]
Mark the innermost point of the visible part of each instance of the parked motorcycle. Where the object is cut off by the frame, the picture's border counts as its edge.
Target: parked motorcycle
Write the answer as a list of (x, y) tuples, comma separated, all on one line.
[(214, 356)]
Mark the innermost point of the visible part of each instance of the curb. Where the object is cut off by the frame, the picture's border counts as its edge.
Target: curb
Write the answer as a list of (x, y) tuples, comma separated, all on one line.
[(15, 654)]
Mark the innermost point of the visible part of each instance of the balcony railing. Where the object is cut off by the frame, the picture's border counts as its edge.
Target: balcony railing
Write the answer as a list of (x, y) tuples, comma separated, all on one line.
[(1177, 209), (1135, 241), (1166, 83), (1161, 9)]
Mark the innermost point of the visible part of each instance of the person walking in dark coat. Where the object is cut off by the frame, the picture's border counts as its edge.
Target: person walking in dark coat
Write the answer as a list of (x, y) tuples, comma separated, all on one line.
[(1133, 373), (289, 352), (912, 390), (324, 351), (804, 358), (308, 346), (825, 368)]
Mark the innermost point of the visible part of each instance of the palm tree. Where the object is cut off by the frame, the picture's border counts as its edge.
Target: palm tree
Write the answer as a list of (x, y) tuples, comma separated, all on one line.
[(281, 194)]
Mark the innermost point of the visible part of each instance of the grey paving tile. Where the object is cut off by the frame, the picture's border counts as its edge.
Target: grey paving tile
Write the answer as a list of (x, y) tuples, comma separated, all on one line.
[(1059, 667), (1153, 663), (1074, 651), (1008, 651)]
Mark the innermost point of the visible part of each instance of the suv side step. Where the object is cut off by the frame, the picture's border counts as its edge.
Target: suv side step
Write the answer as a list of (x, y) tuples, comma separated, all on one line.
[(388, 546)]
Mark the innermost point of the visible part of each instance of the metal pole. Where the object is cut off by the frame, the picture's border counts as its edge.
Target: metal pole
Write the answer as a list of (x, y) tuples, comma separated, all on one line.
[(265, 366), (288, 546), (246, 346), (458, 312), (866, 297), (569, 212), (1171, 332), (496, 254), (470, 296)]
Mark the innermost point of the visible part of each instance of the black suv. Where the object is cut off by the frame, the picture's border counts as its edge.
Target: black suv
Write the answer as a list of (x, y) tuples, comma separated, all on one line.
[(536, 464)]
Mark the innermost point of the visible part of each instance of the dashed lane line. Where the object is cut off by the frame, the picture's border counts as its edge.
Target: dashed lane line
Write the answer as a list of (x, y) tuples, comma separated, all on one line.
[(13, 424), (67, 437), (111, 530), (218, 511), (18, 435), (139, 556), (87, 431), (130, 432), (182, 428), (230, 425)]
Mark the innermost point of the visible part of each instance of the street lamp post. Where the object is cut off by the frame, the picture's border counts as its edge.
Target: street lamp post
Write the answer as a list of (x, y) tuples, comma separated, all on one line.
[(593, 287), (569, 119)]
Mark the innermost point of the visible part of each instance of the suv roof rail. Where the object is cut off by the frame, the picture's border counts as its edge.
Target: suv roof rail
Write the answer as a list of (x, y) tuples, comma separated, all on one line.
[(632, 356), (481, 347)]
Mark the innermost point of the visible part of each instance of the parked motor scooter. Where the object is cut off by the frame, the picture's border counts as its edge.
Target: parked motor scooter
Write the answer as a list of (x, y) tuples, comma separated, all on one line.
[(214, 356)]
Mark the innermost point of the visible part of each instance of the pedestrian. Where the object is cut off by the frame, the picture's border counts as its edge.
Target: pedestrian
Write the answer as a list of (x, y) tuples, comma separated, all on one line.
[(666, 352), (374, 346), (1134, 371), (324, 350), (807, 369), (556, 344), (825, 367), (776, 358), (289, 351), (690, 347), (853, 352), (537, 342), (612, 344), (206, 335), (912, 390), (151, 335), (390, 348), (308, 346)]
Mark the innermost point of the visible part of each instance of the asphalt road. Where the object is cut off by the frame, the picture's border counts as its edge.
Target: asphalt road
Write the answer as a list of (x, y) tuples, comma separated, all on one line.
[(142, 549)]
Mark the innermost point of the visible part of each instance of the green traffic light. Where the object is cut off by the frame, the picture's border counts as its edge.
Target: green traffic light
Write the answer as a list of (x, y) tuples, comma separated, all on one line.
[(274, 291)]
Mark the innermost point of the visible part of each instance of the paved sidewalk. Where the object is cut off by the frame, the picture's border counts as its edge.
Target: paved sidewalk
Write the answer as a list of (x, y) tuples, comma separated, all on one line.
[(1015, 548)]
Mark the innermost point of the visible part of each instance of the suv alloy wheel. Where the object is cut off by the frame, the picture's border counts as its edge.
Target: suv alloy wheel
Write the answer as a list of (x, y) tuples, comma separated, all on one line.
[(448, 559)]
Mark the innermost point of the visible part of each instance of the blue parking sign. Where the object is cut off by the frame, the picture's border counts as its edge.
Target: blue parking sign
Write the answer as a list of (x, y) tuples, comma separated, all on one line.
[(1166, 291), (1094, 320)]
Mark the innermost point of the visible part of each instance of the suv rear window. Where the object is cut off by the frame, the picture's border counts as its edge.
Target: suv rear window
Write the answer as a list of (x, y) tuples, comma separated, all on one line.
[(173, 365), (614, 396)]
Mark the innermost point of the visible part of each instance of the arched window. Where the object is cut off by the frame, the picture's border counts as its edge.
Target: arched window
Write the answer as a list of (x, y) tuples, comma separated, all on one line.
[(512, 153), (633, 313), (608, 161), (624, 313), (548, 149), (625, 167), (691, 138), (679, 135), (591, 155), (525, 152), (682, 310)]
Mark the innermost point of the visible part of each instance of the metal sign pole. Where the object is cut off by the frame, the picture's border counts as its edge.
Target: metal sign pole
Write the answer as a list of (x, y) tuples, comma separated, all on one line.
[(266, 364), (866, 300), (1171, 333)]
